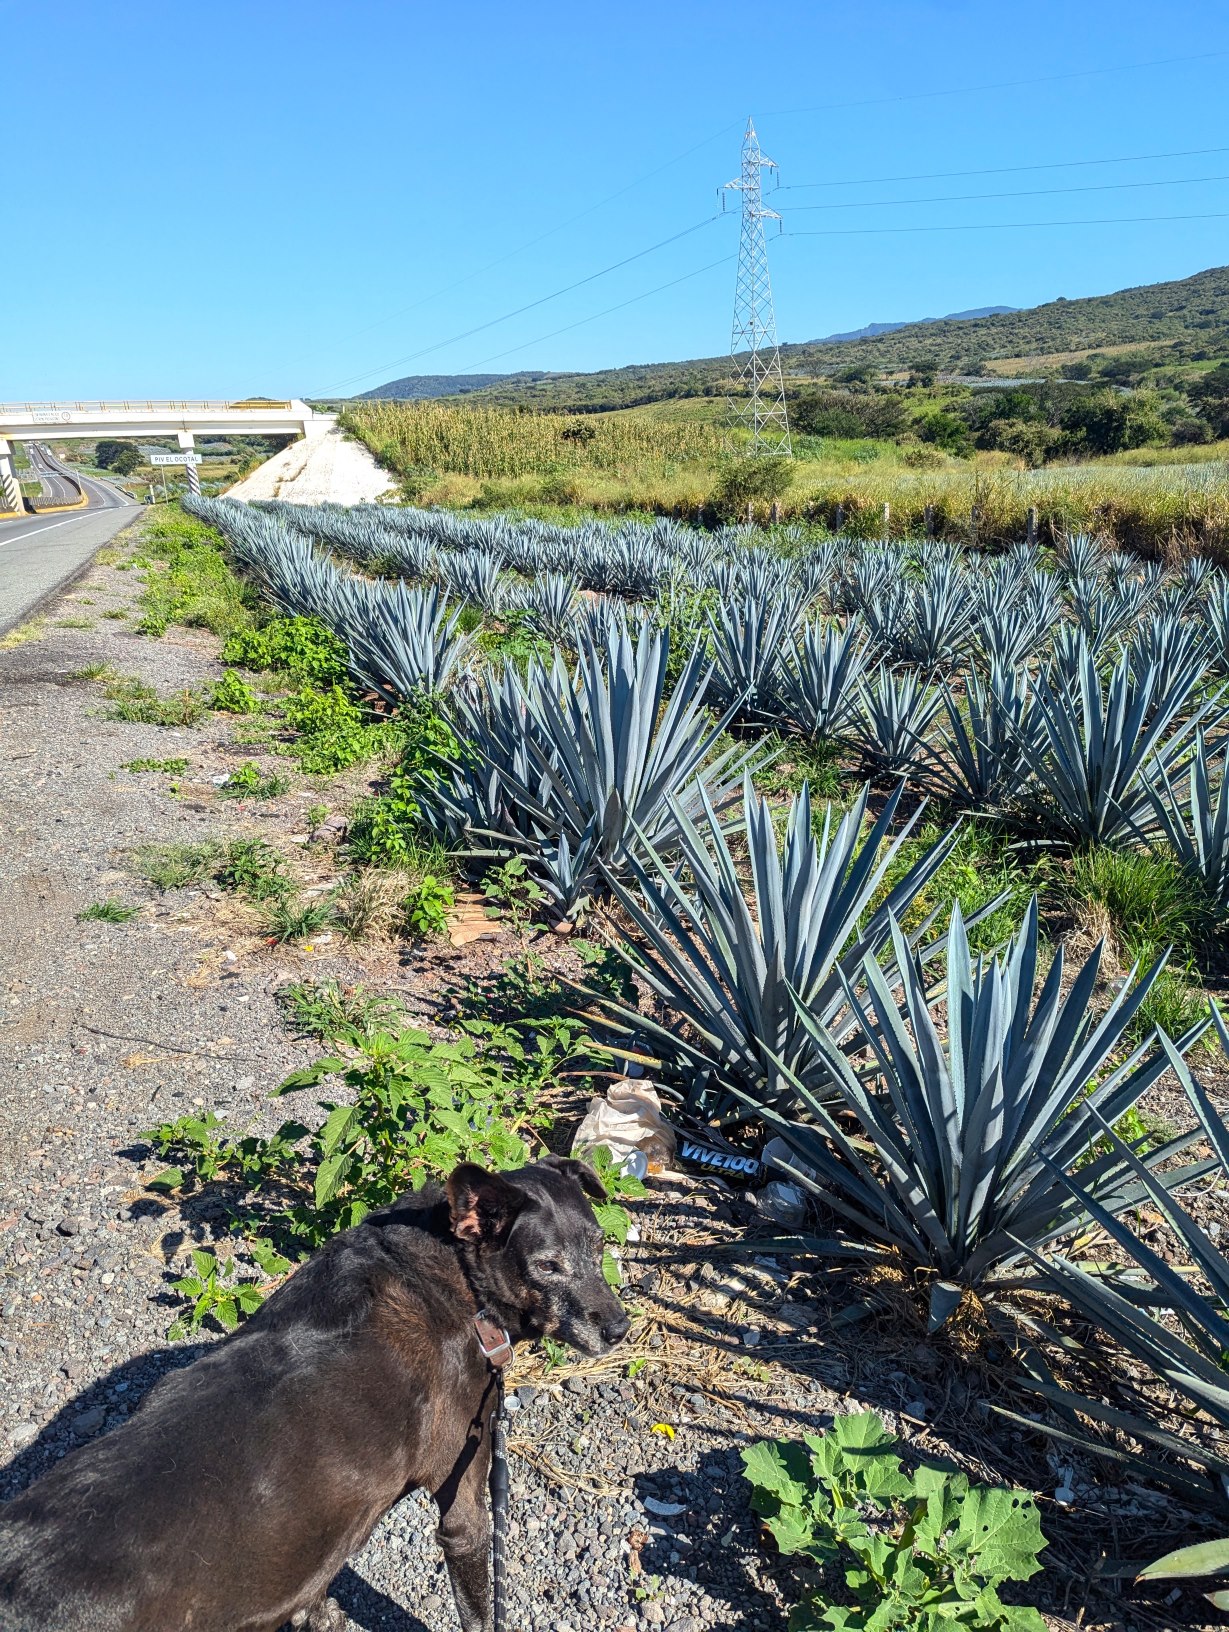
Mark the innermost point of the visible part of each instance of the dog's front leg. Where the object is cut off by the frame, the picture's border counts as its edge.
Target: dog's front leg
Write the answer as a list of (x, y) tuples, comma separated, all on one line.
[(465, 1533)]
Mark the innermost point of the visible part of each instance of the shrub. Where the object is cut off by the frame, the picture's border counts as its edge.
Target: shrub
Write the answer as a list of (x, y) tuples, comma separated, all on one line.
[(755, 480)]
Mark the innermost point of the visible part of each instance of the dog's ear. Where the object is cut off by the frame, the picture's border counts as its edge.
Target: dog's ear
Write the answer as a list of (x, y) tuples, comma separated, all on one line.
[(584, 1175), (483, 1205)]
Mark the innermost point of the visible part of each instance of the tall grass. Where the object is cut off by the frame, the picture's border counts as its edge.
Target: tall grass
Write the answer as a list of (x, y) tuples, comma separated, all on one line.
[(497, 442), (636, 460)]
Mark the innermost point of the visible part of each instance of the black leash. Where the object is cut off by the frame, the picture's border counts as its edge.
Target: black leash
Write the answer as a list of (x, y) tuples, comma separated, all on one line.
[(499, 1509), (496, 1347)]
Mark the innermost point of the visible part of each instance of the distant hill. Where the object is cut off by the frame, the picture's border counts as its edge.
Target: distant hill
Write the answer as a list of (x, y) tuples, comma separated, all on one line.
[(1191, 313), (441, 385), (870, 330)]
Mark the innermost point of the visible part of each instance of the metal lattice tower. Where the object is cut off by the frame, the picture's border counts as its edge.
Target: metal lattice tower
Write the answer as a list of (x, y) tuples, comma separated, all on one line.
[(756, 396)]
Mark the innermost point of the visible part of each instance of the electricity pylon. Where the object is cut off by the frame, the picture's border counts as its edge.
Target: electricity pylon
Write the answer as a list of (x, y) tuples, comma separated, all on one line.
[(755, 399)]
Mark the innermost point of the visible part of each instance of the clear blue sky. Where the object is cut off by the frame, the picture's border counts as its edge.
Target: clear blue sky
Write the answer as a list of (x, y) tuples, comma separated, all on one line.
[(275, 197)]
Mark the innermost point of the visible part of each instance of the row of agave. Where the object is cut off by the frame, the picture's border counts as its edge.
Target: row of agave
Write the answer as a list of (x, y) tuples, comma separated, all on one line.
[(801, 989)]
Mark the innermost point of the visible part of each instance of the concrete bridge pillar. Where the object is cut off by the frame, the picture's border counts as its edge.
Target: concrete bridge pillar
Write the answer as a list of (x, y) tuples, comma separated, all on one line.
[(10, 487), (187, 443)]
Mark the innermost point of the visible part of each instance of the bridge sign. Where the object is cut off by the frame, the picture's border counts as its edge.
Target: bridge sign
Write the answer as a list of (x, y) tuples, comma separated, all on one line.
[(175, 458), (50, 416)]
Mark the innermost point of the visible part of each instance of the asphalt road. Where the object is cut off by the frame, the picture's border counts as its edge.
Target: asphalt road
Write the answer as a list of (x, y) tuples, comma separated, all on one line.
[(58, 488), (38, 553)]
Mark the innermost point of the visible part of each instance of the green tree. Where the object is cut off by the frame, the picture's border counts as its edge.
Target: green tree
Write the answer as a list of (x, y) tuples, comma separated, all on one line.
[(126, 460), (107, 452), (1095, 423)]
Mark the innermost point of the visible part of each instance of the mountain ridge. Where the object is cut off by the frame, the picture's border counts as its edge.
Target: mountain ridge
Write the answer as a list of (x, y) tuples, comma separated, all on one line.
[(1190, 315)]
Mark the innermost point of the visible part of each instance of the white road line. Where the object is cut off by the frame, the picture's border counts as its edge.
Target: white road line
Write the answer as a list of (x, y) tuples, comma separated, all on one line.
[(50, 528)]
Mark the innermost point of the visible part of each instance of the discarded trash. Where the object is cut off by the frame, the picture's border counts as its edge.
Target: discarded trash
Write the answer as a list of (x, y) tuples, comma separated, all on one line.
[(783, 1203), (777, 1152), (629, 1123), (662, 1428), (220, 781), (721, 1159), (663, 1510)]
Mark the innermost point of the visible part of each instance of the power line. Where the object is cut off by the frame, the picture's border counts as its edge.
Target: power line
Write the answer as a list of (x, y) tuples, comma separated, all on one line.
[(999, 226), (505, 317), (1031, 192), (532, 243), (1001, 170), (496, 356), (998, 85)]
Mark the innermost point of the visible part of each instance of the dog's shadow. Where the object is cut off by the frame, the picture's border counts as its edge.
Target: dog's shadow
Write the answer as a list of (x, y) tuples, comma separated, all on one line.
[(111, 1399)]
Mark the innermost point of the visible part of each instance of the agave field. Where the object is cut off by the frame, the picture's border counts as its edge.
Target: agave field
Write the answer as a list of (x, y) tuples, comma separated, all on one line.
[(959, 1095)]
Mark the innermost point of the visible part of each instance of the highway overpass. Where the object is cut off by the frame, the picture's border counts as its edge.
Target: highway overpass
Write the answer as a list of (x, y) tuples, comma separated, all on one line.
[(51, 421)]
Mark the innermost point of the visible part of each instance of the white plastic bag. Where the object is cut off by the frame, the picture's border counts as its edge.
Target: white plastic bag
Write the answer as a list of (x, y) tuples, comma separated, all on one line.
[(628, 1121)]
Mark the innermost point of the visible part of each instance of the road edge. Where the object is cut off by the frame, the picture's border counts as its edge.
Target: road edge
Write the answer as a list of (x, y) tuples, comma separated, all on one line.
[(37, 607)]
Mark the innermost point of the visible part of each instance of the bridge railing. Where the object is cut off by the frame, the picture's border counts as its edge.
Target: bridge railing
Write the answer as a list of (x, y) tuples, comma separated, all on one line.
[(255, 405)]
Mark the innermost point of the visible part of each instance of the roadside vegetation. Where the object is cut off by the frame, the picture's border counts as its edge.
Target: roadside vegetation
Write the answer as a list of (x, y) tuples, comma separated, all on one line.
[(701, 759)]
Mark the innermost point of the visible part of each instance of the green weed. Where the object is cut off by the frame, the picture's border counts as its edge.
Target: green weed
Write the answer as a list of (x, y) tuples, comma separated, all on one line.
[(232, 695), (136, 701), (290, 918), (917, 1550), (303, 646), (170, 767), (250, 782), (255, 868), (1149, 898), (175, 866), (428, 904), (333, 1013), (107, 912), (188, 579)]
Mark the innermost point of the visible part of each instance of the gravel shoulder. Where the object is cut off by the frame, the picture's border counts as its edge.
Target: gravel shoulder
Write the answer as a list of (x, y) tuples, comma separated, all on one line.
[(628, 1507)]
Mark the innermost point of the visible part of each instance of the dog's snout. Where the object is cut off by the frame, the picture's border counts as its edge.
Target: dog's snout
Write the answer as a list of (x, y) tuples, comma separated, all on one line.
[(614, 1331)]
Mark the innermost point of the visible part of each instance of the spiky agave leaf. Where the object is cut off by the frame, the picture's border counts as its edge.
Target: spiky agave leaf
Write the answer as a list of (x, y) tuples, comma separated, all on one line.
[(890, 719), (1098, 744), (937, 619), (817, 679), (1190, 1361), (1202, 844), (611, 765), (972, 1123), (1170, 646), (746, 640), (725, 966), (975, 763)]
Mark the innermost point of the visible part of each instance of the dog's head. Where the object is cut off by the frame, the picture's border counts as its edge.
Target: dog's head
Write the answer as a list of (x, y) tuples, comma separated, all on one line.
[(535, 1249)]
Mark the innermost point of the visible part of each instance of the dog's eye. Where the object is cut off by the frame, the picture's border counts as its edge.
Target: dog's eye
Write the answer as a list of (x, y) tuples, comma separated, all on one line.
[(551, 1266)]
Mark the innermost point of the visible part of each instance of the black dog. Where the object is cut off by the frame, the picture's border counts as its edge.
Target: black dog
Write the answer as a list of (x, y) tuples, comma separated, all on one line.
[(233, 1497)]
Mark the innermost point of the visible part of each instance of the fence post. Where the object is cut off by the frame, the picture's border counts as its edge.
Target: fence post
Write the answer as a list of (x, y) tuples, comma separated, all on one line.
[(1032, 525), (929, 517), (775, 512), (887, 520), (838, 520), (974, 518), (750, 513)]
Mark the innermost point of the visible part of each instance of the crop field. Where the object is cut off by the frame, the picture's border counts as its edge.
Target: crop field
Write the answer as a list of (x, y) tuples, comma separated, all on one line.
[(917, 858), (666, 458)]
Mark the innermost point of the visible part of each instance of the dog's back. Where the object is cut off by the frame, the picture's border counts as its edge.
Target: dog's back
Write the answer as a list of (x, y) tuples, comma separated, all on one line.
[(245, 1481), (142, 1528)]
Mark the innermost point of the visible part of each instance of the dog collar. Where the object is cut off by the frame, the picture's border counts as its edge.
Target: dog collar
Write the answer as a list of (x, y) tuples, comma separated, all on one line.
[(493, 1340)]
